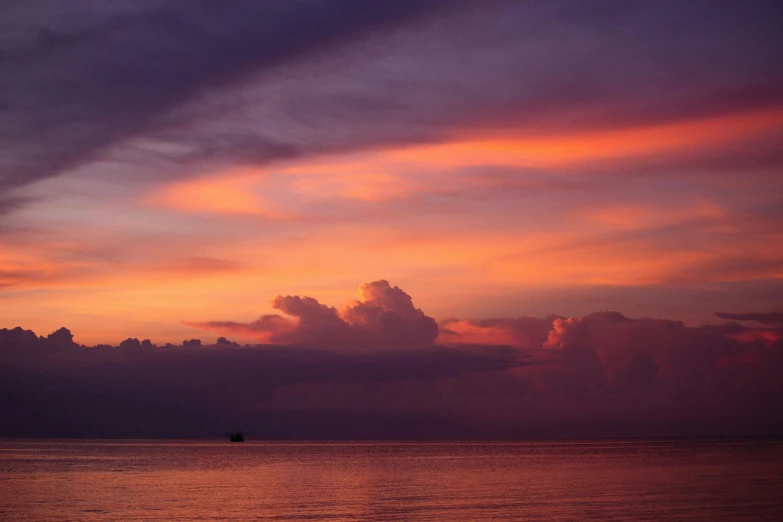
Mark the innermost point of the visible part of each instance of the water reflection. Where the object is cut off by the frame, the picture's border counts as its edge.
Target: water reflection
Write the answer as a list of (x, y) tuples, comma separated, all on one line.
[(608, 480)]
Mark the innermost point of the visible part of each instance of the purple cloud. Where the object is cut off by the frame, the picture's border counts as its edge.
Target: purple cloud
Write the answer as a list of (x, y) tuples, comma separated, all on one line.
[(186, 84), (384, 317)]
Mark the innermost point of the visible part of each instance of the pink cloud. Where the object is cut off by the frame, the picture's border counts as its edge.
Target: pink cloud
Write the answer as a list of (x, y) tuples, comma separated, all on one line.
[(383, 317), (598, 371), (522, 332), (599, 351)]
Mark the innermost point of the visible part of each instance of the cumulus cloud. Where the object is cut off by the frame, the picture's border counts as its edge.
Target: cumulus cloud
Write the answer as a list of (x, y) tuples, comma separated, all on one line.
[(667, 355), (580, 367), (602, 374), (599, 352), (611, 352), (568, 333), (53, 387), (387, 313), (383, 317)]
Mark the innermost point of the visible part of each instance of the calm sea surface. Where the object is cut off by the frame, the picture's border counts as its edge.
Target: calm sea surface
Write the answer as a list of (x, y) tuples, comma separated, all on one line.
[(186, 480)]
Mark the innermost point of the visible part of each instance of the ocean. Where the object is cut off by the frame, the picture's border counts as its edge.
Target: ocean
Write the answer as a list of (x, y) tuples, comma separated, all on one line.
[(609, 480)]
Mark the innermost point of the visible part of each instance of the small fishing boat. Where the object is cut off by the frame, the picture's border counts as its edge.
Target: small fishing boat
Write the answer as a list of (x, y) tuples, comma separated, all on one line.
[(236, 436)]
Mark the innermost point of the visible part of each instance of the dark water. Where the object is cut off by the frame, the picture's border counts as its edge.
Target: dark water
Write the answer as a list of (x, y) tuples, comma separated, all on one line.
[(606, 480)]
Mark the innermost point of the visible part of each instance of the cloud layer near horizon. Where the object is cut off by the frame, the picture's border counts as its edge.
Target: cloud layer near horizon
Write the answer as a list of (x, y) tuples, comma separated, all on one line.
[(599, 351), (376, 369)]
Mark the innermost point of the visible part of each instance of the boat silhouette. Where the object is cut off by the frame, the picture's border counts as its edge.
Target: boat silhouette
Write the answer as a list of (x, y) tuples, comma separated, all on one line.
[(236, 436)]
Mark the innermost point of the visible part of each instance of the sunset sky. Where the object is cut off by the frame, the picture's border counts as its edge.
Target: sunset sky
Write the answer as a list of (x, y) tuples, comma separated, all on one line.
[(436, 206), (168, 162)]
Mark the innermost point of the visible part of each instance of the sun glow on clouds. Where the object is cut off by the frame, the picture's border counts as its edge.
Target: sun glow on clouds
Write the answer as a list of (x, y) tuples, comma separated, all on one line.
[(768, 337), (508, 161), (568, 149), (434, 216), (403, 172), (627, 217), (581, 246), (223, 194)]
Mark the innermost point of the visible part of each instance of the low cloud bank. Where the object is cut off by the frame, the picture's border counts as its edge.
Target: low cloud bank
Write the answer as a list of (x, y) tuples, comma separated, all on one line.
[(402, 376)]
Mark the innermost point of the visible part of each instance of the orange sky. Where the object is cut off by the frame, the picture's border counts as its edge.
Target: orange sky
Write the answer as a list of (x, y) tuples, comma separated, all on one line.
[(449, 222)]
